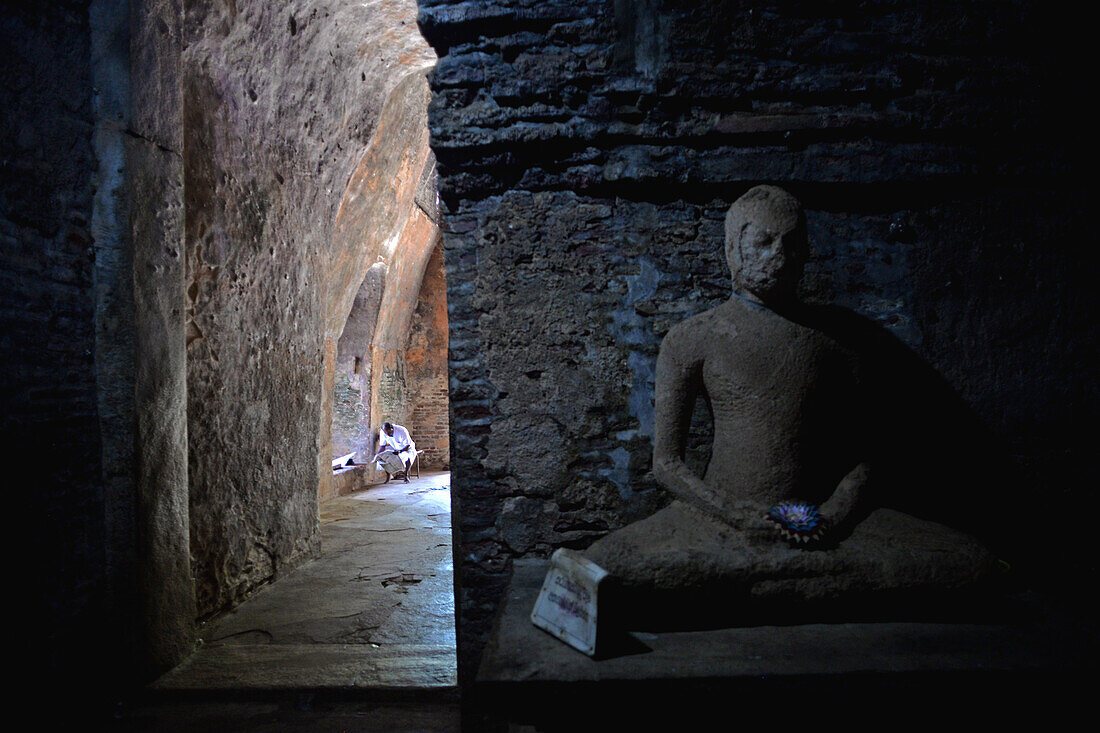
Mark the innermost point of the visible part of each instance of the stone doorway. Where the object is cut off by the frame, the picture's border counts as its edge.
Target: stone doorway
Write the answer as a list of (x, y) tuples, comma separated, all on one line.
[(384, 377), (279, 165)]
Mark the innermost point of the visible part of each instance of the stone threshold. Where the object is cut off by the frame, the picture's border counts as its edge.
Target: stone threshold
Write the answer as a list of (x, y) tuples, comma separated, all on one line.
[(314, 667)]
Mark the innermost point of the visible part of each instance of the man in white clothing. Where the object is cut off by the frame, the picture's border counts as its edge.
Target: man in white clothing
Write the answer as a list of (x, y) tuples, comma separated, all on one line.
[(397, 439)]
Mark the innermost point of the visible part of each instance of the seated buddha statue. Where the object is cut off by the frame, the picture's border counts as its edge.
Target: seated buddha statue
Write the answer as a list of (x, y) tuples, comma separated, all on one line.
[(787, 514)]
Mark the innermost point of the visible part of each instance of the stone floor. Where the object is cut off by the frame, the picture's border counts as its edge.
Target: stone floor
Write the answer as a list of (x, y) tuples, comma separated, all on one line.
[(362, 638)]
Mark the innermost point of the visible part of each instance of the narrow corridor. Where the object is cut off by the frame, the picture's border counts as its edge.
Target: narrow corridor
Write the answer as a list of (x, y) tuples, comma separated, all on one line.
[(376, 610)]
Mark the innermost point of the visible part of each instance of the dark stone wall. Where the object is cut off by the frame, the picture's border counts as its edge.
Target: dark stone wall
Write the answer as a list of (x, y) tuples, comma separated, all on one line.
[(48, 405), (587, 152)]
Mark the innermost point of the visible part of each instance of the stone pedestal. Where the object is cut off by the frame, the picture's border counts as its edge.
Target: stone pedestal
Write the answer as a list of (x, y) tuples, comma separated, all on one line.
[(1021, 654)]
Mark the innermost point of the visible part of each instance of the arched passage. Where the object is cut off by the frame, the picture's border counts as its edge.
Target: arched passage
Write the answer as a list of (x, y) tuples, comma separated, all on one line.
[(382, 303), (280, 153)]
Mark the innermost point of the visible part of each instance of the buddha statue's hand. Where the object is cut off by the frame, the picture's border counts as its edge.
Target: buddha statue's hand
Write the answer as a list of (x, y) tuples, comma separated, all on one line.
[(807, 525), (747, 516), (841, 505)]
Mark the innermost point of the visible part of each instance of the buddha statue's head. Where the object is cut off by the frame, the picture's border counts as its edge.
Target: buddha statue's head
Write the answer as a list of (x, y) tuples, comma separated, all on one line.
[(766, 244)]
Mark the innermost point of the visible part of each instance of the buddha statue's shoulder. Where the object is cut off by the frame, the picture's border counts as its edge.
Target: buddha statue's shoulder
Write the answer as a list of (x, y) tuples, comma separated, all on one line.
[(699, 325), (698, 333)]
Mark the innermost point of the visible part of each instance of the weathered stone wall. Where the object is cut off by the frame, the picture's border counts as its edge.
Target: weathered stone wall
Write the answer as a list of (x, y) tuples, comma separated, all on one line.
[(49, 417), (587, 152), (351, 428), (290, 127)]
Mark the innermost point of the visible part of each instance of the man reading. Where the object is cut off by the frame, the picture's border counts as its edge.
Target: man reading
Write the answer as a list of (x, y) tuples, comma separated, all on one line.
[(395, 439)]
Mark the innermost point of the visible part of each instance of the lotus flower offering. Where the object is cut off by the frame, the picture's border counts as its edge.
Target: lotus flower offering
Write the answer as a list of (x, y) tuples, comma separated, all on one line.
[(798, 522)]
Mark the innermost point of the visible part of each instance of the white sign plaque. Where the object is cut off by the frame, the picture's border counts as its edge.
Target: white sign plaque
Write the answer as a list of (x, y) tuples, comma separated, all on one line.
[(566, 606)]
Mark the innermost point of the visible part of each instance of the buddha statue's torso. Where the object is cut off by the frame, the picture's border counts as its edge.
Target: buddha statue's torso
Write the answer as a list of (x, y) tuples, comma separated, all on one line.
[(784, 399)]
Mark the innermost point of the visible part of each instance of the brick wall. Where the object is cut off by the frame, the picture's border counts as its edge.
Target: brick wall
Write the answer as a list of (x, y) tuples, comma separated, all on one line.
[(429, 422), (426, 370)]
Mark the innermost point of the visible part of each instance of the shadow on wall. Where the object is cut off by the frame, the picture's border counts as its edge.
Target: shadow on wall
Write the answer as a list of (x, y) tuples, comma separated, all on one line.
[(934, 457)]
